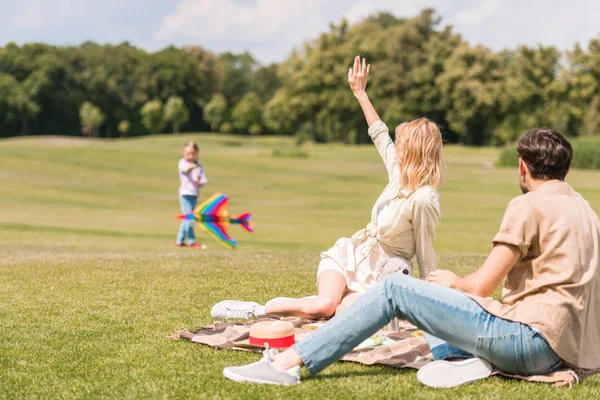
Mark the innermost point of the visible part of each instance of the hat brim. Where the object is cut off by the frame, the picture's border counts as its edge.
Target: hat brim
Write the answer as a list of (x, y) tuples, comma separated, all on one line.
[(246, 344)]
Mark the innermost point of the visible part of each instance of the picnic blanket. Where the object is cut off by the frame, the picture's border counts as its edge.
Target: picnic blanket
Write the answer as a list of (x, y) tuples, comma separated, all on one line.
[(406, 349)]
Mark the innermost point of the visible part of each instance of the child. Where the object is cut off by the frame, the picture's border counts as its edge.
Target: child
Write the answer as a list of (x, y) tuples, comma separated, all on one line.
[(192, 177)]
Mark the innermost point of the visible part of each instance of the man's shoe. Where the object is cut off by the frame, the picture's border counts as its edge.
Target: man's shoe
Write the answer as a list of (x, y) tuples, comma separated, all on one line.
[(230, 309), (447, 374), (263, 372), (197, 246), (179, 244)]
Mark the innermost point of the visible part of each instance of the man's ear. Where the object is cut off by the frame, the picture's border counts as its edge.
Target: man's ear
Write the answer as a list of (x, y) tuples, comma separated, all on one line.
[(523, 170)]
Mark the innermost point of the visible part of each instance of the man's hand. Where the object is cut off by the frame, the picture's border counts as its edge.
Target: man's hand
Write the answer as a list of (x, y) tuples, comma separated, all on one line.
[(442, 277), (486, 279), (358, 76)]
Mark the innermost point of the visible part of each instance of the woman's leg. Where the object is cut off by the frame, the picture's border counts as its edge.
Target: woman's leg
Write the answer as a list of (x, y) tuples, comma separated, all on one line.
[(331, 288), (348, 299)]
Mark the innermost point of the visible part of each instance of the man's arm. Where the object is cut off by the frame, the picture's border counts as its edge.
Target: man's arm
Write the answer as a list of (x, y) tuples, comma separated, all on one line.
[(486, 279)]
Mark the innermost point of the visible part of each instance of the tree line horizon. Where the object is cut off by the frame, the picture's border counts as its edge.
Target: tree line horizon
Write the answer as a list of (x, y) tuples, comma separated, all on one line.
[(419, 67)]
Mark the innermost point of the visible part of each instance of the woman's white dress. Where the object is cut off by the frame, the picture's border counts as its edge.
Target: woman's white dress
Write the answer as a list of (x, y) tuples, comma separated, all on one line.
[(403, 225)]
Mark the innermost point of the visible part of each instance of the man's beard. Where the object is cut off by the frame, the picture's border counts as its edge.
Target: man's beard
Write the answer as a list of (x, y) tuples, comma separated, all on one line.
[(524, 188)]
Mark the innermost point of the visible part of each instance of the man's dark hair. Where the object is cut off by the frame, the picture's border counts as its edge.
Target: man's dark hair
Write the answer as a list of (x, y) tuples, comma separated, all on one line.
[(546, 152)]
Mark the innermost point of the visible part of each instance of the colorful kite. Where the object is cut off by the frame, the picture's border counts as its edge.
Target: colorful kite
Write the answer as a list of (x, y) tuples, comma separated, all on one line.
[(213, 218)]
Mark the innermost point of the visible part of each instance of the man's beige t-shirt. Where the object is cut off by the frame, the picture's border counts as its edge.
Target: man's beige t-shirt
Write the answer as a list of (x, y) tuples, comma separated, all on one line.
[(555, 286)]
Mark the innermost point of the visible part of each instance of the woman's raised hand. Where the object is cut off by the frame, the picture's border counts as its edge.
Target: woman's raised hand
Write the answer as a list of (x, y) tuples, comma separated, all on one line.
[(357, 79), (358, 75)]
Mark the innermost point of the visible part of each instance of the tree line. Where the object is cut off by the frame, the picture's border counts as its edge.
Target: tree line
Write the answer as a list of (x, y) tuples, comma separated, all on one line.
[(420, 67)]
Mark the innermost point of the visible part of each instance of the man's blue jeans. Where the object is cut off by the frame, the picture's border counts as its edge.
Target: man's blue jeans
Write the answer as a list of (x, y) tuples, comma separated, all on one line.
[(445, 313), (188, 203)]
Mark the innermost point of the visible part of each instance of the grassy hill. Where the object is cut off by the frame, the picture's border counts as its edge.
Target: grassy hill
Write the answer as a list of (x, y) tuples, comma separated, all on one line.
[(90, 283)]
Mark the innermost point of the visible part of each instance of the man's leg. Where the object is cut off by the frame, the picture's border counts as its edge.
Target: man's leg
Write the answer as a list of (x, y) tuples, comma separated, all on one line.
[(444, 313), (441, 350)]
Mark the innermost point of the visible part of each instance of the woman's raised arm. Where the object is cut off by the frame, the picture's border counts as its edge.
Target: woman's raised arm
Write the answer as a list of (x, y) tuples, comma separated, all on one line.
[(357, 79), (378, 131)]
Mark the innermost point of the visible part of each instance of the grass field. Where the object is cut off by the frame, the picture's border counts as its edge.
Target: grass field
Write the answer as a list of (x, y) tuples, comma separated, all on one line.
[(91, 285)]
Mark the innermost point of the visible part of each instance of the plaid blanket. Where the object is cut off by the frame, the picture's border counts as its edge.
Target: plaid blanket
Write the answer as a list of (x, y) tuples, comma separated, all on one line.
[(409, 350)]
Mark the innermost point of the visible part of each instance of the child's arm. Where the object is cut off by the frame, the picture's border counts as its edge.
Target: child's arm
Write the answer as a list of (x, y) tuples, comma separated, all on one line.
[(186, 167), (202, 180), (378, 131), (426, 218)]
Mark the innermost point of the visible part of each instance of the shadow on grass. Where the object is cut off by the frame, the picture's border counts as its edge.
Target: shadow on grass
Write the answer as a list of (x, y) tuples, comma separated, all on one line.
[(371, 372)]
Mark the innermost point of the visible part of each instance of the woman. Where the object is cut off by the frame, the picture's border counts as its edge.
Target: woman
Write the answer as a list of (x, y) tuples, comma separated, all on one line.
[(403, 223)]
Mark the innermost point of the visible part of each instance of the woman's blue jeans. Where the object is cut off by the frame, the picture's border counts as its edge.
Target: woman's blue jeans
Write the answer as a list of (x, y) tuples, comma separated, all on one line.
[(453, 319), (188, 203)]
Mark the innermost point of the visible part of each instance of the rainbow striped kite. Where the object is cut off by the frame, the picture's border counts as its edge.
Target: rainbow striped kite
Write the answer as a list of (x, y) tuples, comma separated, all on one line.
[(213, 218)]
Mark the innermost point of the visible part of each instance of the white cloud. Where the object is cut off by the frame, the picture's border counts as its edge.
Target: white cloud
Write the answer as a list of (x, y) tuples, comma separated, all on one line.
[(29, 17), (503, 24), (43, 13), (400, 8), (225, 19), (360, 11), (270, 29), (510, 23), (486, 10)]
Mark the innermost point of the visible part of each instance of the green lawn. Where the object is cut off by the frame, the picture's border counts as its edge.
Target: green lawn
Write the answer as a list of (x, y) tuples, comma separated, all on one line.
[(91, 285)]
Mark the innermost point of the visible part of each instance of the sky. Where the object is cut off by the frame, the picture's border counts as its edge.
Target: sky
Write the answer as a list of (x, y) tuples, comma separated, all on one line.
[(270, 29)]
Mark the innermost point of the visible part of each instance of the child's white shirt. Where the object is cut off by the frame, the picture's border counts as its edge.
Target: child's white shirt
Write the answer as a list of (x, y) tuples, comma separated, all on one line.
[(190, 180)]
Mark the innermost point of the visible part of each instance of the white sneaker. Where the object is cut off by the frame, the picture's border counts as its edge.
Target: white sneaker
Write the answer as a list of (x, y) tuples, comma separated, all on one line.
[(279, 300), (447, 374), (230, 309), (263, 372)]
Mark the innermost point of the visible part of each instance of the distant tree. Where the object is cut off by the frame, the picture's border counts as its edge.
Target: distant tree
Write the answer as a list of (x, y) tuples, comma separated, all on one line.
[(420, 67), (279, 114), (583, 83), (176, 113), (209, 64), (255, 129), (174, 72), (15, 103), (152, 116), (237, 75), (529, 93), (265, 81), (470, 86), (214, 112), (226, 128), (385, 19), (124, 127), (591, 120), (92, 118), (247, 112), (109, 77)]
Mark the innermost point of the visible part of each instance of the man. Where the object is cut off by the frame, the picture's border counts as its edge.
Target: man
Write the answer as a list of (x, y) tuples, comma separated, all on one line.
[(549, 316)]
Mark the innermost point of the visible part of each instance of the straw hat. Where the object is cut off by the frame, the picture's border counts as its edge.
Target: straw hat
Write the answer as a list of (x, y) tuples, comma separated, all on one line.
[(277, 334)]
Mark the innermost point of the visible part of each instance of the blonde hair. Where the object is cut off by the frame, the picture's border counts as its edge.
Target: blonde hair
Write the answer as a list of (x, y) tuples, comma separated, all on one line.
[(419, 152), (192, 144)]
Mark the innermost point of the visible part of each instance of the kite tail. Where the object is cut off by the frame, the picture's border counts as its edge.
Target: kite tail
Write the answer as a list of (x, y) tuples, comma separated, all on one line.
[(244, 220), (190, 217)]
